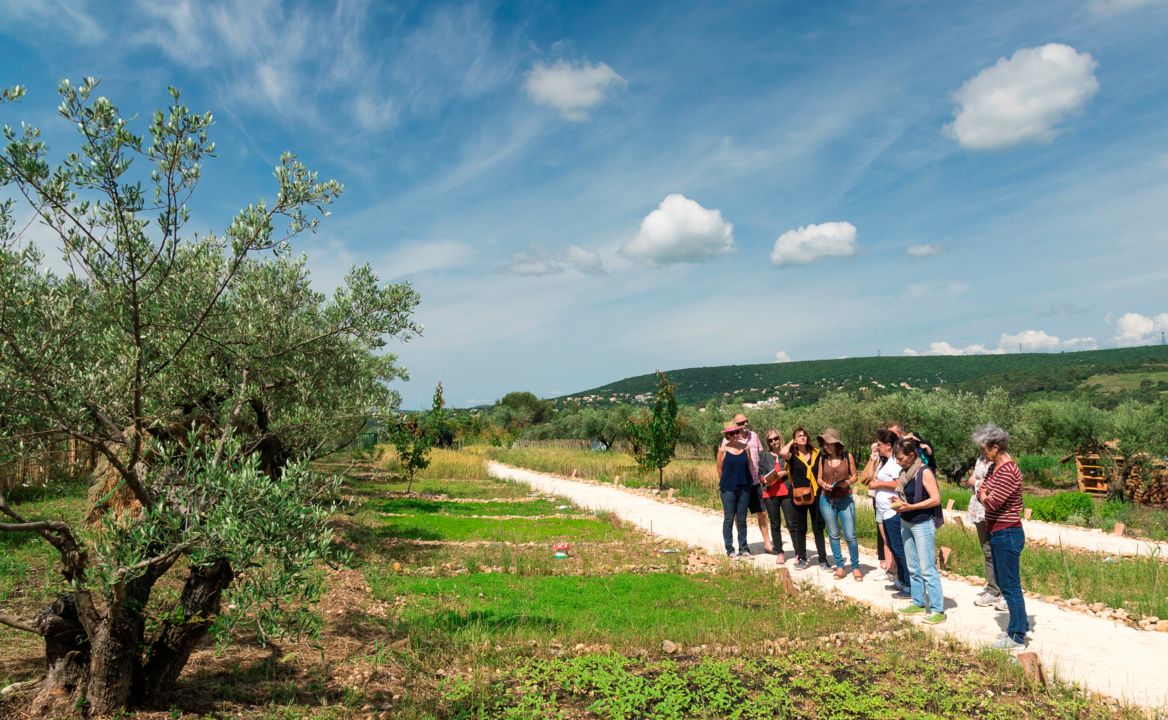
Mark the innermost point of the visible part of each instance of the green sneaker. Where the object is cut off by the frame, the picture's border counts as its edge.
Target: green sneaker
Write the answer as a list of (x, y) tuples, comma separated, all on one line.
[(934, 619), (911, 610)]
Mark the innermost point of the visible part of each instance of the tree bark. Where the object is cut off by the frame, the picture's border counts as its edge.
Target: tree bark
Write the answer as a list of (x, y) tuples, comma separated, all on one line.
[(172, 649), (67, 657)]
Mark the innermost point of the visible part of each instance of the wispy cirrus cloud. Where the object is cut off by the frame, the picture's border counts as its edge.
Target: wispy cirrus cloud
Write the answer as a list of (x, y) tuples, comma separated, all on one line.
[(301, 62), (68, 19)]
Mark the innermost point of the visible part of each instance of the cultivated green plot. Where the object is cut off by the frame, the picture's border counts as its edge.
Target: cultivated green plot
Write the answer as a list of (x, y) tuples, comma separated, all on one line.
[(627, 610), (444, 527), (484, 489), (422, 506), (880, 681)]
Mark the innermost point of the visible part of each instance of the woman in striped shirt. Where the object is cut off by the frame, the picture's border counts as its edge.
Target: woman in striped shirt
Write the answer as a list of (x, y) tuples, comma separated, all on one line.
[(1001, 494)]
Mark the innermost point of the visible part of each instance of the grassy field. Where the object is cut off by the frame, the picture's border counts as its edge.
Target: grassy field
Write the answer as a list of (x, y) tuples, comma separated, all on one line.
[(1117, 382), (479, 620), (1137, 585)]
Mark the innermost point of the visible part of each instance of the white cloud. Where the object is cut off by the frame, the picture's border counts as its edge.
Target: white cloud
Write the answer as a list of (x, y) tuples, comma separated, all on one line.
[(1031, 341), (1023, 98), (680, 231), (571, 88), (532, 262), (1108, 8), (536, 261), (923, 250), (809, 243), (71, 19), (585, 261), (301, 62), (1025, 341), (374, 114), (1137, 329), (782, 356)]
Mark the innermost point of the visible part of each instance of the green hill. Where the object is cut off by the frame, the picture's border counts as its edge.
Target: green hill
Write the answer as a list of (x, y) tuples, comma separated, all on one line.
[(1107, 376)]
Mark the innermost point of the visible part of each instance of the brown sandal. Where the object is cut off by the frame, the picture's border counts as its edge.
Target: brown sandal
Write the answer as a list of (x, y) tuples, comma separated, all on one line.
[(859, 576), (839, 573)]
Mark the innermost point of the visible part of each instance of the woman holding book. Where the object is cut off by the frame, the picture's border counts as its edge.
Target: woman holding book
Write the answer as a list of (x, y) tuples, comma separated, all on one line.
[(776, 495)]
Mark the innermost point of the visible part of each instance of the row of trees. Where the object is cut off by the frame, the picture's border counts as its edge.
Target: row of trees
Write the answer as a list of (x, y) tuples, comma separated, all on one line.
[(1046, 426)]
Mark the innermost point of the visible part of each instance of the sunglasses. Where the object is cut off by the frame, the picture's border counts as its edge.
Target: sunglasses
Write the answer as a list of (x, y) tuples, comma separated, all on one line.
[(772, 439)]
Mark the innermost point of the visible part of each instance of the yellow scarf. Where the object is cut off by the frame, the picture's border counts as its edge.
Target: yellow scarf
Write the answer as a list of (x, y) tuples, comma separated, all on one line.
[(810, 465)]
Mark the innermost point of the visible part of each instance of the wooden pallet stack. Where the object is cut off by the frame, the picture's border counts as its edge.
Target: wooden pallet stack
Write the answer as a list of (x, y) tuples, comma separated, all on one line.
[(1095, 470)]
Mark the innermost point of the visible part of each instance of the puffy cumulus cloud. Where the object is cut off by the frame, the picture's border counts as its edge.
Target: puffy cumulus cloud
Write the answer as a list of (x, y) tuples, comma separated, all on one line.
[(680, 231), (1023, 98), (571, 88), (782, 356), (811, 242), (1136, 329), (1025, 341), (1031, 341), (923, 250), (585, 261)]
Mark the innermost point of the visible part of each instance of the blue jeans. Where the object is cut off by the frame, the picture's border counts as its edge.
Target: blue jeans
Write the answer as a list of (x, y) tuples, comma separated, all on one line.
[(896, 547), (839, 514), (1006, 545), (920, 550), (734, 503)]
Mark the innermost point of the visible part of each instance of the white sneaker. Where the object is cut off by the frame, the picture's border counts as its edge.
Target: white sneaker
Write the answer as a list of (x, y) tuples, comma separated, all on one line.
[(986, 600), (1001, 605), (1008, 643)]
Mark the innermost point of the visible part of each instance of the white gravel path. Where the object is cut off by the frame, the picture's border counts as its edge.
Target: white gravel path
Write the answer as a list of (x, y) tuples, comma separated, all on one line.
[(1099, 654), (1086, 538)]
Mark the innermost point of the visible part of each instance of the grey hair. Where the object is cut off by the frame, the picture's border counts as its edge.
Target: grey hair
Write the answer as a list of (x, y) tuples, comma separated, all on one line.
[(990, 435)]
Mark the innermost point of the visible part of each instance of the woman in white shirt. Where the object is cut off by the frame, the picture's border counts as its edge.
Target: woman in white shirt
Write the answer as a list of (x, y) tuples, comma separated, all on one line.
[(880, 475)]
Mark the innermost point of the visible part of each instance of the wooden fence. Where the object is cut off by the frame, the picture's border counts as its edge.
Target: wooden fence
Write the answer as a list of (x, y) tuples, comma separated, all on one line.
[(54, 458)]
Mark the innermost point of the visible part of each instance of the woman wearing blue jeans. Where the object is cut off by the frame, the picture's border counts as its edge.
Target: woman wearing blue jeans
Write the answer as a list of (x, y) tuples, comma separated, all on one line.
[(837, 474), (1001, 494), (735, 481), (919, 533)]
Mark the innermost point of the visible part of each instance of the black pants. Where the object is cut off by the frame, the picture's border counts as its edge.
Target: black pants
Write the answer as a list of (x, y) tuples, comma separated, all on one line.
[(780, 509), (879, 536), (799, 531)]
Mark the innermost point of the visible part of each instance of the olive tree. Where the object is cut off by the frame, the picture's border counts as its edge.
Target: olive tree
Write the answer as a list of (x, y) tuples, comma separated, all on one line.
[(203, 370)]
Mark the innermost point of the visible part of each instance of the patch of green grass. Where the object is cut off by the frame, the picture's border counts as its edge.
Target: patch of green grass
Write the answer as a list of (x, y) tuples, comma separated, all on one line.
[(625, 610), (28, 576), (1118, 382), (444, 527), (420, 506)]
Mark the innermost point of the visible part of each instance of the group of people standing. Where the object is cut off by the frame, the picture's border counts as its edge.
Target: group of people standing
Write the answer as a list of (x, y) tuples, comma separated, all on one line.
[(798, 483)]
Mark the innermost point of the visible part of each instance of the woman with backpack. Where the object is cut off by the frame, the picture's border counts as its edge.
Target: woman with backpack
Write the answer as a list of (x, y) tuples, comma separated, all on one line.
[(836, 473), (801, 457), (919, 503)]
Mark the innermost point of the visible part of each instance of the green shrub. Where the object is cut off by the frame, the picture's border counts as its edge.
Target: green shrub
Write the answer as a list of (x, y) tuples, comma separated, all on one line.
[(1060, 506)]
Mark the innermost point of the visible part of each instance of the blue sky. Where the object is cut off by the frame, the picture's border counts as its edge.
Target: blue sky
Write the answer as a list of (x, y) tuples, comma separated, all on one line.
[(587, 191)]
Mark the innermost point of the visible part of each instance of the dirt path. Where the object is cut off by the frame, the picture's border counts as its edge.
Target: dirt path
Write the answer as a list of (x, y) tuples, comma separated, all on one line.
[(1096, 653), (1086, 538)]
